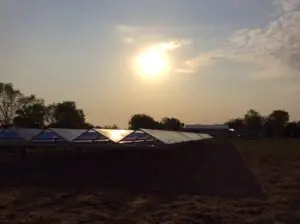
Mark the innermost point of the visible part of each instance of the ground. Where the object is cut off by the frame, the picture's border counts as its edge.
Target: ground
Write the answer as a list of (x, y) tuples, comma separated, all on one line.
[(275, 163)]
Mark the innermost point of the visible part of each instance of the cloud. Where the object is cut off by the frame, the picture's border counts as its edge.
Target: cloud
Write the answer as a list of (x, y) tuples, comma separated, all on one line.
[(280, 40), (124, 29), (127, 40), (130, 34), (204, 60), (288, 5), (275, 48), (173, 44), (184, 71)]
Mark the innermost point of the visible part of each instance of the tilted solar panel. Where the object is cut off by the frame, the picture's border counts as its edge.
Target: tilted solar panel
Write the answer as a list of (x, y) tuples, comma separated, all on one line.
[(114, 135), (26, 133), (91, 136), (204, 136), (167, 137), (137, 136), (48, 135), (69, 134), (192, 136), (9, 135)]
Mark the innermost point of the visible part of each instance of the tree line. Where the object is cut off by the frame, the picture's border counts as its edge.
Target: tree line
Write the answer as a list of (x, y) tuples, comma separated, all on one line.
[(276, 124), (22, 111), (19, 110), (139, 121)]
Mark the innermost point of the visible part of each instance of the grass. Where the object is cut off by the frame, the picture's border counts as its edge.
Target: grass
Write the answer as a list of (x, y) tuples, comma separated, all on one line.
[(275, 163)]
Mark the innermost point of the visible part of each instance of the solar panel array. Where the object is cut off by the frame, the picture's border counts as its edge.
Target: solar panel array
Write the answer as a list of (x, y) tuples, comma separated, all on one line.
[(172, 137), (99, 135)]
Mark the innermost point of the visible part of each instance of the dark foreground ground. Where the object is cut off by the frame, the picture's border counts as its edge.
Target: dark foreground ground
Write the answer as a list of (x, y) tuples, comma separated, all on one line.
[(54, 198)]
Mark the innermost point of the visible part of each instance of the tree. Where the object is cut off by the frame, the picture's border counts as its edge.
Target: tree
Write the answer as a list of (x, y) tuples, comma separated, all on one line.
[(278, 119), (49, 116), (254, 122), (110, 127), (10, 102), (31, 114), (292, 130), (171, 124), (138, 121), (66, 115), (237, 124)]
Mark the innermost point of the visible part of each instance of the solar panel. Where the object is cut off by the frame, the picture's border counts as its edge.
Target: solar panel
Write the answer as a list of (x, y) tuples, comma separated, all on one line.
[(114, 135), (192, 136), (9, 135), (137, 136), (69, 134), (91, 136), (48, 135), (26, 133), (204, 136), (167, 137)]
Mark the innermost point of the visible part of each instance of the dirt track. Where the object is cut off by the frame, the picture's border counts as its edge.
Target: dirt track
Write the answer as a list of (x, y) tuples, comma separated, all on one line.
[(130, 197)]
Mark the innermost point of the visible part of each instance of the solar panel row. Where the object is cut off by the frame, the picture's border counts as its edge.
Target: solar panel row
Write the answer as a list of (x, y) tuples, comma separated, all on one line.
[(99, 135)]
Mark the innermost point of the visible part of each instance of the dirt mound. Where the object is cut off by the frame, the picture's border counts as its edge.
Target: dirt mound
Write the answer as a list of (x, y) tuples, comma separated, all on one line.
[(206, 168)]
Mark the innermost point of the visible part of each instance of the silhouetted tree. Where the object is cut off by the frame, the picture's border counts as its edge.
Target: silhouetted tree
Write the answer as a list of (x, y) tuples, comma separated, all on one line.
[(10, 102), (66, 115), (291, 130), (254, 122), (49, 116), (110, 127), (138, 121), (277, 120), (31, 114), (171, 124), (237, 124)]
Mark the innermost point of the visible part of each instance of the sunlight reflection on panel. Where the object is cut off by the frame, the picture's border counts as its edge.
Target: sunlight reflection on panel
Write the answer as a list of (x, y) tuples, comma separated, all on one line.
[(114, 135)]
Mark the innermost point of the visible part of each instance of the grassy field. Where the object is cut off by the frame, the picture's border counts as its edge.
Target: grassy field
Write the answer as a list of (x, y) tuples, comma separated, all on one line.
[(275, 163)]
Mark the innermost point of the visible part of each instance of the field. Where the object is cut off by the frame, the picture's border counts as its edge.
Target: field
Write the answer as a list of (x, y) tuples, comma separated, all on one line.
[(275, 163)]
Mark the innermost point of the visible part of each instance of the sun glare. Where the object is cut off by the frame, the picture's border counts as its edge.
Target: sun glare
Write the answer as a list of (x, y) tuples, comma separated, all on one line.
[(152, 62)]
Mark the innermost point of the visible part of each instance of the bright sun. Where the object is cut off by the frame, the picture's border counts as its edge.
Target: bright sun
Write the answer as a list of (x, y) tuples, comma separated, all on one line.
[(152, 62)]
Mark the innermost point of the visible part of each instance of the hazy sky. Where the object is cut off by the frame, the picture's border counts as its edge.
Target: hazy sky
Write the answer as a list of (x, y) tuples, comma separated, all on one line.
[(227, 56)]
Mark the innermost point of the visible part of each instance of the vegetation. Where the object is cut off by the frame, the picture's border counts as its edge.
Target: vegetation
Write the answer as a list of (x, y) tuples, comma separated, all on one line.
[(138, 121), (19, 110), (274, 125), (10, 102), (114, 126)]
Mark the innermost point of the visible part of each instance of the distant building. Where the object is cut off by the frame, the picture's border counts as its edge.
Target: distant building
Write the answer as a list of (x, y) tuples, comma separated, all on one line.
[(214, 130)]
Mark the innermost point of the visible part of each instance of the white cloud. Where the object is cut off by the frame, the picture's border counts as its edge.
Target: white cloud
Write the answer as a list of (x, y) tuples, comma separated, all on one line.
[(184, 71), (124, 29), (130, 34), (275, 49), (204, 60), (173, 44), (288, 5), (127, 40)]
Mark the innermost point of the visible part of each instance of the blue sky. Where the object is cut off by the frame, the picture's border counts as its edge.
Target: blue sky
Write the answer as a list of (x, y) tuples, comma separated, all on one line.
[(227, 56)]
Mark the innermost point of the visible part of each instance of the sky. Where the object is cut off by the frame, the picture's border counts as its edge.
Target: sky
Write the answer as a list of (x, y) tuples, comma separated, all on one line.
[(226, 56)]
